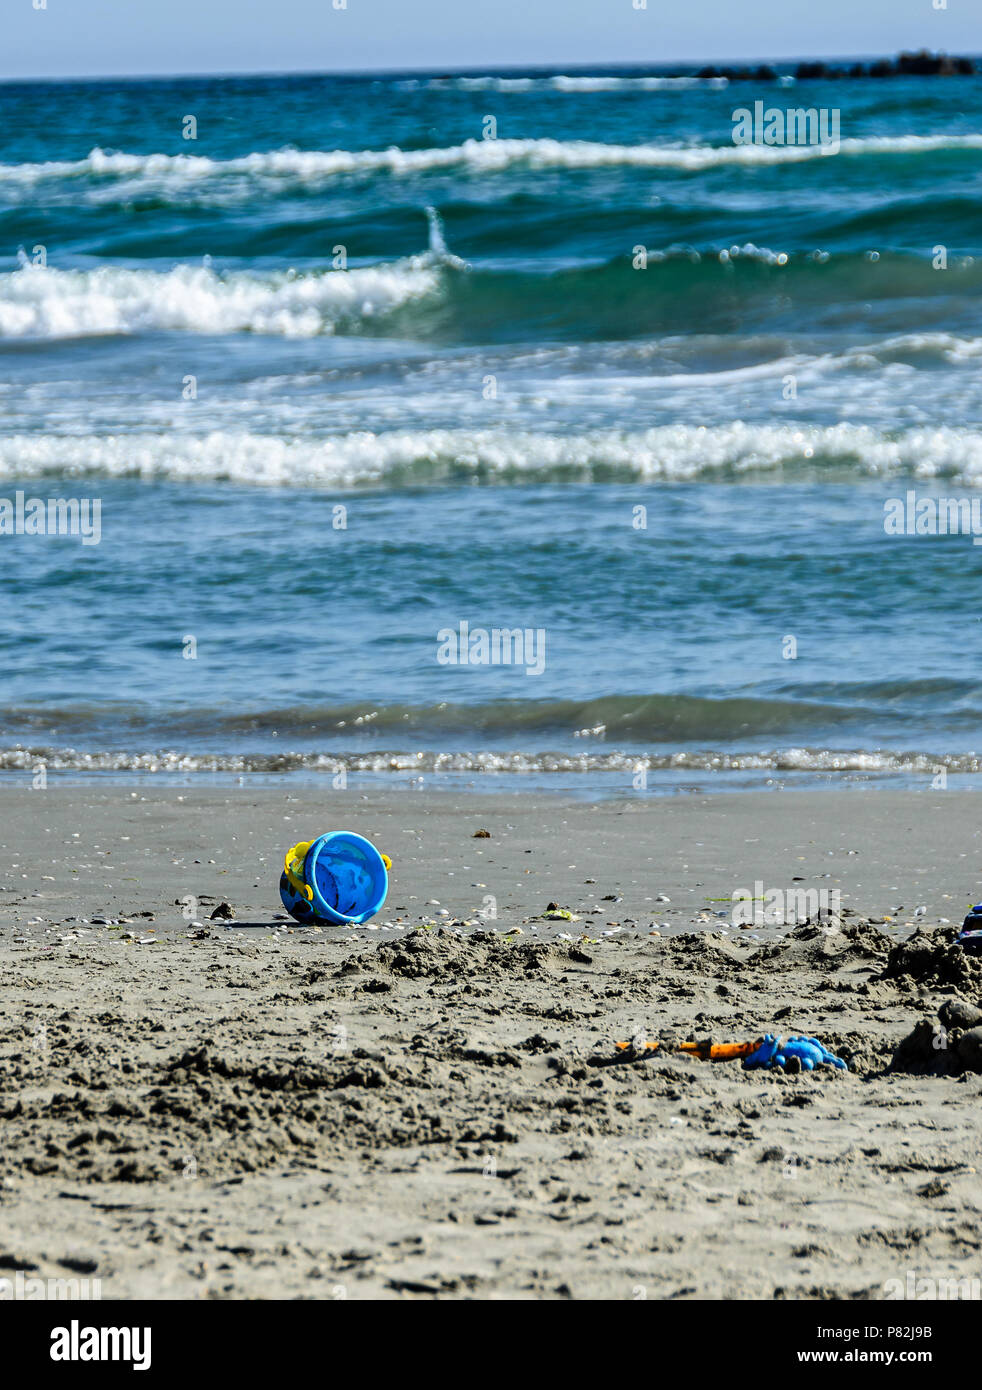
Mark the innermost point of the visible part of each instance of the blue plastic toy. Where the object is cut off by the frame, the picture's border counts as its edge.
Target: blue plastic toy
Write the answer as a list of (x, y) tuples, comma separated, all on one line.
[(339, 877), (970, 936), (775, 1052)]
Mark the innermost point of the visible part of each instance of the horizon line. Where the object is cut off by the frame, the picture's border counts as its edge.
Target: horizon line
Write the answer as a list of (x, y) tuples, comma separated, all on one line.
[(489, 69)]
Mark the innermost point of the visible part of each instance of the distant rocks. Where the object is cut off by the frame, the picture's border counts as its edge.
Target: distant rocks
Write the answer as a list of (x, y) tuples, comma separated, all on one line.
[(763, 73), (920, 64), (924, 64)]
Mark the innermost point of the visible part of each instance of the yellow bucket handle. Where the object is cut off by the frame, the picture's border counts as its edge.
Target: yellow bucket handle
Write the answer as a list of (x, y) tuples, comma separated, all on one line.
[(293, 868)]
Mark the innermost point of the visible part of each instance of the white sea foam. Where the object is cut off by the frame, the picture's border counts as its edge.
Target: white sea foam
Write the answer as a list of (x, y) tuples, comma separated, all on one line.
[(669, 452), (634, 84), (44, 302), (787, 760), (939, 347), (481, 156), (574, 84)]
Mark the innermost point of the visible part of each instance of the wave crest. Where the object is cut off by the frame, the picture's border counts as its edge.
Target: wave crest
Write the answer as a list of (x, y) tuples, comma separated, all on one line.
[(412, 458), (480, 156), (44, 302)]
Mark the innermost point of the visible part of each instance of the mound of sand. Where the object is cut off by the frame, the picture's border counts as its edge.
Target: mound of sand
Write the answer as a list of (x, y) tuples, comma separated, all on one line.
[(826, 947), (946, 1046), (706, 952), (447, 955), (931, 959)]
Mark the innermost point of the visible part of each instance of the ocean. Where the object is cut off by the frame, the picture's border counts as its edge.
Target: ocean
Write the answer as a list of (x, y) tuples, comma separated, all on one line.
[(558, 458)]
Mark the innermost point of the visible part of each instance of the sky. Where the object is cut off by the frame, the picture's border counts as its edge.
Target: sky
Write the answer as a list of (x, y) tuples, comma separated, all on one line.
[(95, 38)]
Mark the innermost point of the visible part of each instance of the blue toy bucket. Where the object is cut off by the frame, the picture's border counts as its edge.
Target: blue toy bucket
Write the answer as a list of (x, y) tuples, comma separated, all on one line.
[(301, 909), (347, 875)]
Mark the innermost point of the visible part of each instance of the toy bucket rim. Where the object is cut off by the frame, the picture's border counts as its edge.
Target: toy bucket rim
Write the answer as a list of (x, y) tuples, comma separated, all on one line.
[(325, 909)]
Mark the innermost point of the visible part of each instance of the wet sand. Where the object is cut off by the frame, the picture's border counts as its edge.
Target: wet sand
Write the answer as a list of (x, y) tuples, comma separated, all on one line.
[(252, 1110)]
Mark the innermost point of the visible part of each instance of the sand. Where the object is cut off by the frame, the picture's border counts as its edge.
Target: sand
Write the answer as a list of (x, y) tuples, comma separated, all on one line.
[(258, 1111)]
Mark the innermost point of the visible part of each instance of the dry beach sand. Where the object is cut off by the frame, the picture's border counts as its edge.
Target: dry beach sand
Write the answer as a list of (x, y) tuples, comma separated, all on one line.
[(266, 1112)]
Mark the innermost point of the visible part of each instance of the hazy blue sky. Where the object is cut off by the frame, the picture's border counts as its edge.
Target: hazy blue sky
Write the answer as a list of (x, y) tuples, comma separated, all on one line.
[(110, 37)]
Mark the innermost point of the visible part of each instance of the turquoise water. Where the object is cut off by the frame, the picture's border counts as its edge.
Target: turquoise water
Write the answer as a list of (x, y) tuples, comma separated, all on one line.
[(343, 375)]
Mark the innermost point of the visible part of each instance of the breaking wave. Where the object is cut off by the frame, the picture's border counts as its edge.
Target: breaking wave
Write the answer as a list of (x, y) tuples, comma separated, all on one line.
[(435, 296), (788, 760), (478, 156), (414, 458), (38, 302)]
